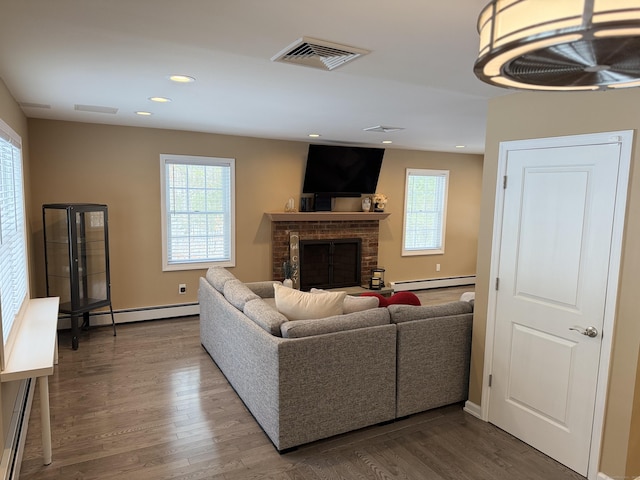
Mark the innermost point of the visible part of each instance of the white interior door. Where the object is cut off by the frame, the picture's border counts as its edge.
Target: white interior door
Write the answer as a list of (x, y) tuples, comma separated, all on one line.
[(553, 271)]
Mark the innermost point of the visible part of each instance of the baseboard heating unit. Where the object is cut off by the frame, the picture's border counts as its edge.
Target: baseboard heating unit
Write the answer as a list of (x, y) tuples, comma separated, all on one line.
[(101, 317), (433, 283)]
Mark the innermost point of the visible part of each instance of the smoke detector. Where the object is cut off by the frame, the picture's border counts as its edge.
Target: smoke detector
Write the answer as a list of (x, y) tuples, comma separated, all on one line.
[(311, 52)]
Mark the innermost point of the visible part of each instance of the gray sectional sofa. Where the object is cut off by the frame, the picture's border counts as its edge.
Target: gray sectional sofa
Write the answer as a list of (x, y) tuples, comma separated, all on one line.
[(305, 380)]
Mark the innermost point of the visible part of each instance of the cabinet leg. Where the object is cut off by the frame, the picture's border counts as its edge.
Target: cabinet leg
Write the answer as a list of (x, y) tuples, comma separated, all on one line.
[(85, 321), (74, 332), (113, 321)]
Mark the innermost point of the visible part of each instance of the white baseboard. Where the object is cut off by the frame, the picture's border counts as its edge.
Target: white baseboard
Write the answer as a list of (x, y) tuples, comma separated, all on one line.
[(135, 315), (602, 476), (473, 409), (433, 283)]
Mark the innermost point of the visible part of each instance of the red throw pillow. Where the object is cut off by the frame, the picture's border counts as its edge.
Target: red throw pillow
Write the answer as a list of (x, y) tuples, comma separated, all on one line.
[(400, 298), (404, 298)]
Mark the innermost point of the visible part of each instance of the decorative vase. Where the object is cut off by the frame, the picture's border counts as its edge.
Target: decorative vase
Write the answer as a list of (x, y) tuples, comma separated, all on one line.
[(379, 207), (366, 204), (287, 282)]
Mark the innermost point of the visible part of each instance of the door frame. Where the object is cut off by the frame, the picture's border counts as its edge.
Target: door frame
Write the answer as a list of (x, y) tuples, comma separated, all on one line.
[(625, 139)]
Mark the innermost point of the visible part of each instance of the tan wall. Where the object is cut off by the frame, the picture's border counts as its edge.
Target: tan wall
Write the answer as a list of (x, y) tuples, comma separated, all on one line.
[(633, 456), (531, 115), (12, 115), (119, 166), (463, 215)]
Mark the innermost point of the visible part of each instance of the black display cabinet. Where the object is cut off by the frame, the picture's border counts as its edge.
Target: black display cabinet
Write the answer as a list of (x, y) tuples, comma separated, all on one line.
[(76, 258)]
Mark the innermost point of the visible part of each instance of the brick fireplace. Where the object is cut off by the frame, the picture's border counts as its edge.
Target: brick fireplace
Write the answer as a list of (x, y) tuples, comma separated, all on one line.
[(325, 226)]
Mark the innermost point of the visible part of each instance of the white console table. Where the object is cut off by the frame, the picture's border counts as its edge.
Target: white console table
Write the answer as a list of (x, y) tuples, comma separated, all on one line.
[(33, 355)]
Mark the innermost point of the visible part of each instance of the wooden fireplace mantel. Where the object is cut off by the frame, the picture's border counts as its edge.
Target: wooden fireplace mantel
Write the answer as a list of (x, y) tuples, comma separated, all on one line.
[(324, 216)]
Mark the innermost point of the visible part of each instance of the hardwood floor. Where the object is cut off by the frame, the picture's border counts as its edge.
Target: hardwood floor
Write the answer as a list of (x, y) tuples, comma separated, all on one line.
[(150, 404), (441, 295)]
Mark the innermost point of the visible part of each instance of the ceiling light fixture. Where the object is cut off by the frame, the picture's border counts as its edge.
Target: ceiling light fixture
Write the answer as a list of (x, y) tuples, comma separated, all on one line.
[(561, 45), (182, 78), (461, 146), (387, 141), (160, 99), (314, 135), (143, 114)]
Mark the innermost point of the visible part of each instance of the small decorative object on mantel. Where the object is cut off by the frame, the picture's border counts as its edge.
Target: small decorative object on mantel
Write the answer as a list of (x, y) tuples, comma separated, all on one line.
[(377, 279), (290, 206), (379, 202), (289, 271), (366, 204)]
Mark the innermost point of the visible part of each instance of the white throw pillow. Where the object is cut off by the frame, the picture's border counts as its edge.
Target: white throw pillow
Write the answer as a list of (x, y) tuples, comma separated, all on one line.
[(297, 305), (359, 304), (354, 304)]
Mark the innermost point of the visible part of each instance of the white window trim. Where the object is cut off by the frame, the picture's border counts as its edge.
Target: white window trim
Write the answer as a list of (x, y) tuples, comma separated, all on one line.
[(425, 172), (6, 347), (197, 160)]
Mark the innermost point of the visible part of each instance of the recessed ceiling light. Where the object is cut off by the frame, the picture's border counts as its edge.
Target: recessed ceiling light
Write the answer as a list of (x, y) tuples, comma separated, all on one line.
[(460, 146), (314, 135), (387, 141), (160, 99), (143, 114), (182, 79)]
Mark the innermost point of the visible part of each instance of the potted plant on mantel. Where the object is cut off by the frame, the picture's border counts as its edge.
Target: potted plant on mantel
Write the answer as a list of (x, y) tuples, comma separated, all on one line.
[(379, 202), (288, 269)]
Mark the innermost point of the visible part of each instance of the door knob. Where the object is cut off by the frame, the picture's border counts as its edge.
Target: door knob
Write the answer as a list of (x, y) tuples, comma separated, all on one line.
[(589, 331)]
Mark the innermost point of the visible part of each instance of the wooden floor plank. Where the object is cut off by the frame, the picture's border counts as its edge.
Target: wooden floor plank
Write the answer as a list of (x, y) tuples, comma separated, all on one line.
[(150, 404)]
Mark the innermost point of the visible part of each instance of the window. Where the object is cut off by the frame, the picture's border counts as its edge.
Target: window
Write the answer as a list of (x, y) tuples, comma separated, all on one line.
[(425, 211), (13, 250), (198, 212)]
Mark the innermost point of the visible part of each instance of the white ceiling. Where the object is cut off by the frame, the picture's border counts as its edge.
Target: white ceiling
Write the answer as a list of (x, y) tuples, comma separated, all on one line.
[(118, 53)]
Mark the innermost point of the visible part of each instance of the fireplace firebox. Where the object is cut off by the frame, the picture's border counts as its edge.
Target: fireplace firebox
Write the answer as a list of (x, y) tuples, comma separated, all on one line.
[(330, 263)]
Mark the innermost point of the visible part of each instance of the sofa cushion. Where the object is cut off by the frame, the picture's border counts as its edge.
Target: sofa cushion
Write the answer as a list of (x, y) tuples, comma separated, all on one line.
[(354, 304), (237, 293), (400, 298), (265, 316), (338, 323), (407, 313), (218, 276), (297, 305)]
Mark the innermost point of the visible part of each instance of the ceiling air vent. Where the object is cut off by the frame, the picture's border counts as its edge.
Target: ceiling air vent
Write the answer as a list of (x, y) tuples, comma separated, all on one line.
[(315, 53), (95, 109), (33, 105), (383, 129)]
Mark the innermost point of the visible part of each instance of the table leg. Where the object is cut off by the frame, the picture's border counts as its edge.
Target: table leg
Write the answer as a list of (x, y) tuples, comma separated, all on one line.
[(43, 384)]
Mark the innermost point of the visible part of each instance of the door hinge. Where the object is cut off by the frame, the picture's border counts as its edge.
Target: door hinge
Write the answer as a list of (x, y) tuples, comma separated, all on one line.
[(490, 380), (497, 283), (504, 182)]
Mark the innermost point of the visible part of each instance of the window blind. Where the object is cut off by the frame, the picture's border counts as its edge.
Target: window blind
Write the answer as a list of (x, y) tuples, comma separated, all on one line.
[(425, 211), (13, 252)]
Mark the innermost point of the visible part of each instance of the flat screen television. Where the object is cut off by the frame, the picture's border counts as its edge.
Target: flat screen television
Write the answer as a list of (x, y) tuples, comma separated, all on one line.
[(340, 171)]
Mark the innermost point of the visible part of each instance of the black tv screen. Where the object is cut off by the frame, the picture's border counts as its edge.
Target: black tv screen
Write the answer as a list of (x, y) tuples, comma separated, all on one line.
[(342, 171)]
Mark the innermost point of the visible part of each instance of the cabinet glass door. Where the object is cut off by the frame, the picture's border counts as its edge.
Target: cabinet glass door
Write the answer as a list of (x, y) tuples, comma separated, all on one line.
[(57, 254), (91, 257)]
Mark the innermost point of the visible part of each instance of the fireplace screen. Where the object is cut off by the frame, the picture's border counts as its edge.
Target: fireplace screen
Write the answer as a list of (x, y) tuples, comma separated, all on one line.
[(330, 263)]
